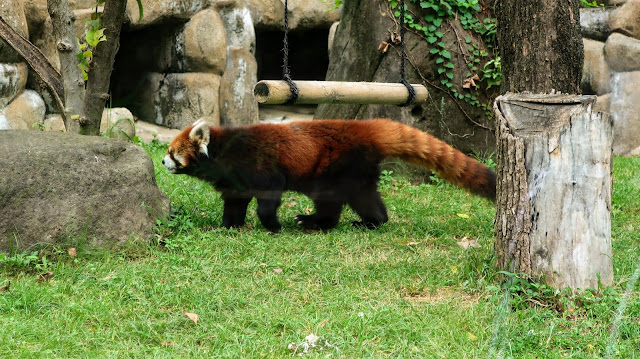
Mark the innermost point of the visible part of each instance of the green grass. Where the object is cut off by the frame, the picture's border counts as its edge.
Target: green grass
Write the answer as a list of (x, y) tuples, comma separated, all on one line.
[(406, 290)]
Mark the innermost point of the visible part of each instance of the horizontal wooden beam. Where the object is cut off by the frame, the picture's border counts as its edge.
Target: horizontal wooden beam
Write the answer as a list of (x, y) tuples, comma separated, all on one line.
[(270, 92)]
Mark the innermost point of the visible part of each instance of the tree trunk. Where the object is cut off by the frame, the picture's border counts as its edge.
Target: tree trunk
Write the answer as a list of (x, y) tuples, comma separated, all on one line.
[(554, 189), (62, 20), (83, 108), (103, 57), (540, 45)]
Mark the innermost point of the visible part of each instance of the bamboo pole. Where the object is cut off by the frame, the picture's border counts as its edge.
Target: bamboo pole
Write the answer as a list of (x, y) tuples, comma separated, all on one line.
[(274, 92)]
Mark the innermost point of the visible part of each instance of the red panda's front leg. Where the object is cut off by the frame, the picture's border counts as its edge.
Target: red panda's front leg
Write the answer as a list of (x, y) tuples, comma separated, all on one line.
[(235, 211)]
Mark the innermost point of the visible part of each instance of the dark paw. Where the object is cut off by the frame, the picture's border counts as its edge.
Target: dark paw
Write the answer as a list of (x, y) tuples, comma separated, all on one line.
[(313, 222), (274, 228)]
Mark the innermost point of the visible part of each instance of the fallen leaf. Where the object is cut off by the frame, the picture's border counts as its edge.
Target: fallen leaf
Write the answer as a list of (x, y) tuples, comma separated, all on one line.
[(465, 244), (472, 336), (43, 277), (383, 47), (72, 252), (470, 82), (463, 215), (413, 243), (192, 316), (107, 277), (323, 323), (277, 270), (454, 269), (6, 287)]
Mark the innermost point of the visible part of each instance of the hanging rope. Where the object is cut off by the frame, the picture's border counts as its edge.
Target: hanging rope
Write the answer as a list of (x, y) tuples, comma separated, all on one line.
[(403, 80), (286, 76)]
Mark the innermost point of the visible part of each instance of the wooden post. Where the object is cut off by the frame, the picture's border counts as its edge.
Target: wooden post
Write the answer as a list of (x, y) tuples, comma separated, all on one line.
[(553, 216), (315, 92)]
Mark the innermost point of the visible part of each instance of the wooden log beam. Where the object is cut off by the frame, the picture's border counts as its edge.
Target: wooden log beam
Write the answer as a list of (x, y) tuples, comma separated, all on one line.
[(553, 205), (316, 92)]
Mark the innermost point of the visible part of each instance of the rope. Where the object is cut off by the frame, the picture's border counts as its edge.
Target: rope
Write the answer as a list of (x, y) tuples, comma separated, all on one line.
[(286, 76), (412, 92)]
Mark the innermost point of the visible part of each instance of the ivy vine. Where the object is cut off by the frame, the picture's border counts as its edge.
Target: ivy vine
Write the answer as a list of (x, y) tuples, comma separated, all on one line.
[(483, 62)]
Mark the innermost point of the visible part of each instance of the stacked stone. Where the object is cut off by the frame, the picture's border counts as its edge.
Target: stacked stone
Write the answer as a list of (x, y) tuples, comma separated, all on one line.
[(612, 68), (19, 108)]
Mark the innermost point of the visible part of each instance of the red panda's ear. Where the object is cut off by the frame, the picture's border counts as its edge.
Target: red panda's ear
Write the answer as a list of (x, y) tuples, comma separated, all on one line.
[(200, 134)]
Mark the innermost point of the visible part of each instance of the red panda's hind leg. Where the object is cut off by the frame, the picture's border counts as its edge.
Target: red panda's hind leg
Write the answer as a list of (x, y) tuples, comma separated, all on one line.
[(326, 216), (268, 213), (367, 203)]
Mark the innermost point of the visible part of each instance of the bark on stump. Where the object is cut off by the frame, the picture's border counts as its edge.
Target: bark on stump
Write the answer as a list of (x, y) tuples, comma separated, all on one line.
[(553, 216)]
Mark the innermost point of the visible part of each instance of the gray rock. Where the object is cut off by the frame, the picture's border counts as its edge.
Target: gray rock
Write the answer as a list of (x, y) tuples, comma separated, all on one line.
[(595, 74), (303, 14), (622, 53), (205, 43), (148, 132), (602, 103), (178, 100), (13, 78), (594, 22), (56, 186), (625, 111), (237, 104), (118, 123), (25, 112)]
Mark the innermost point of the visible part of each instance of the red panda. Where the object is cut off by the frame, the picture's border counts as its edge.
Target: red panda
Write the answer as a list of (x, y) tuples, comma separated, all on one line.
[(334, 162)]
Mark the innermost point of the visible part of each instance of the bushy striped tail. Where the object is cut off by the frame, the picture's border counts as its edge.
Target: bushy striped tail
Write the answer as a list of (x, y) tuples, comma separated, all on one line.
[(420, 148)]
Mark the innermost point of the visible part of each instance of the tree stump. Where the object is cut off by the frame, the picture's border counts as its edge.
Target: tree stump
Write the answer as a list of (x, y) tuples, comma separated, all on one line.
[(553, 216)]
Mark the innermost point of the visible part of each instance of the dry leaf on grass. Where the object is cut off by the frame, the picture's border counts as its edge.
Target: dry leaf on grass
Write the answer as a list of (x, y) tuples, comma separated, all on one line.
[(72, 252), (192, 316), (43, 277), (5, 287), (277, 270)]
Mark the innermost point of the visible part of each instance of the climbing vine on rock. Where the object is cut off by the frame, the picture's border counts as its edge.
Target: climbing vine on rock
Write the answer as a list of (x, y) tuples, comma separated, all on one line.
[(478, 48)]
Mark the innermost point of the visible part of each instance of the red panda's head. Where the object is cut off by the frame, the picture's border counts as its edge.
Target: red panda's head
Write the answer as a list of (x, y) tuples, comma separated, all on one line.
[(186, 149)]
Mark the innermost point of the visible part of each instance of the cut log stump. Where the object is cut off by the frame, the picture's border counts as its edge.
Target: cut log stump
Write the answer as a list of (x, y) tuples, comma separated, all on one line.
[(553, 216)]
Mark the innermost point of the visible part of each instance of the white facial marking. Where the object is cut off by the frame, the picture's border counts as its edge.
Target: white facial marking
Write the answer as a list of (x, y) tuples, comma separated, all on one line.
[(169, 164)]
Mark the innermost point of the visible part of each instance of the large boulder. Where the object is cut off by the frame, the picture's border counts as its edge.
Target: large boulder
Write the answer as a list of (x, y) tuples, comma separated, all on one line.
[(56, 186), (622, 53), (626, 19), (355, 56)]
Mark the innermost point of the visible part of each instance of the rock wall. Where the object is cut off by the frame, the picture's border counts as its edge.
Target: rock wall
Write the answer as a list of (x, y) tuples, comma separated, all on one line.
[(182, 61), (611, 37)]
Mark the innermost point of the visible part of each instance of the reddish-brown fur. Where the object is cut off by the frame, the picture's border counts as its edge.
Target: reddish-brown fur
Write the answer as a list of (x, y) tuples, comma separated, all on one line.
[(335, 162)]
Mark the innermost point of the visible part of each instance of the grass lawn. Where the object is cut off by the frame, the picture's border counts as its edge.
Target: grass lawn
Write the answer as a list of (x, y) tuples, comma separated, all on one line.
[(406, 290)]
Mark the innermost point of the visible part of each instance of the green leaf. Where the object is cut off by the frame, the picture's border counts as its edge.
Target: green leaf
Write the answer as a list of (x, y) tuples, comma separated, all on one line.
[(449, 65), (95, 37), (441, 71), (439, 60), (140, 10), (434, 51), (450, 75), (446, 54), (432, 39), (468, 40)]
